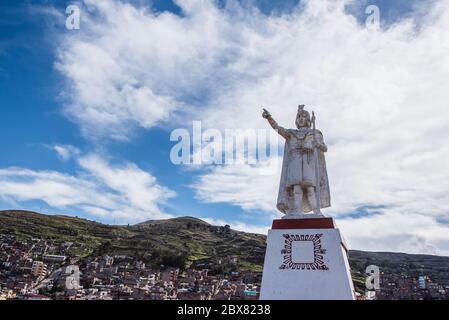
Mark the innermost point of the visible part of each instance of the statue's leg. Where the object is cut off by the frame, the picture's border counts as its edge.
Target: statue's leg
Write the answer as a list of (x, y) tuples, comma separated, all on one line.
[(297, 198), (312, 200)]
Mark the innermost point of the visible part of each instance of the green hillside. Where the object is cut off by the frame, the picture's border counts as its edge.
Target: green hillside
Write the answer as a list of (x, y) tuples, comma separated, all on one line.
[(185, 241), (175, 242)]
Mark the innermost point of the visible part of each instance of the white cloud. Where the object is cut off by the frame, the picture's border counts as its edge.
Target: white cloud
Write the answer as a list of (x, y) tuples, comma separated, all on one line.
[(65, 152), (135, 186), (238, 225), (133, 67), (380, 96), (241, 185), (123, 193), (411, 233)]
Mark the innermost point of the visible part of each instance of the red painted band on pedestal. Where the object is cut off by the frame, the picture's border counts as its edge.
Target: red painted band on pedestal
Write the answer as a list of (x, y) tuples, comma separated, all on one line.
[(314, 223)]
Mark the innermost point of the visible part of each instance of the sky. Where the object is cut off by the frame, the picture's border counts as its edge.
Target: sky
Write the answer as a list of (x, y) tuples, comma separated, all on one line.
[(87, 114)]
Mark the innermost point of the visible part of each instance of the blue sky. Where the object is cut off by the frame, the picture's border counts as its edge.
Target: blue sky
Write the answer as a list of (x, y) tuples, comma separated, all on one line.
[(32, 120), (44, 105)]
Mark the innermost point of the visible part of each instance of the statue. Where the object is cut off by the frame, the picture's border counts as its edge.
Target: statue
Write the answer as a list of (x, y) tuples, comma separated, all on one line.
[(304, 185)]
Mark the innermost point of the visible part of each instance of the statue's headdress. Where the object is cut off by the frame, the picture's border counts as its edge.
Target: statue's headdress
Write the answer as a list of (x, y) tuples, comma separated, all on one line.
[(302, 112)]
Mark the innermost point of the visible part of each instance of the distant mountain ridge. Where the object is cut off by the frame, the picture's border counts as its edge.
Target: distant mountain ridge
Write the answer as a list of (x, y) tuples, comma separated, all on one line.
[(187, 241)]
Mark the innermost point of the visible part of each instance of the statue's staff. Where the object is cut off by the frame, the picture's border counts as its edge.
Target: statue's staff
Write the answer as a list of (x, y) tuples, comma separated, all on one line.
[(317, 167)]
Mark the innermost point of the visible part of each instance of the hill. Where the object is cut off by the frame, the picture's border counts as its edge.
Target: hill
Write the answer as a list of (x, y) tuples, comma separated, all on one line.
[(175, 242), (187, 241)]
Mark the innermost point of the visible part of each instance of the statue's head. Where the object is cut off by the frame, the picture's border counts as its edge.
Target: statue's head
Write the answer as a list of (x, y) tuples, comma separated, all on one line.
[(303, 118)]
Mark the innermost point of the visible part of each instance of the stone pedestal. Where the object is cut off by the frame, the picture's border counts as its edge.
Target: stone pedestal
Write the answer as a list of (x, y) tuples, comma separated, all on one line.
[(306, 259)]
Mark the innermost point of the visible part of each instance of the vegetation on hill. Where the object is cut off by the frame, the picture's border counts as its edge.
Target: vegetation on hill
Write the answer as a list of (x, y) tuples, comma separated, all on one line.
[(175, 242), (187, 241)]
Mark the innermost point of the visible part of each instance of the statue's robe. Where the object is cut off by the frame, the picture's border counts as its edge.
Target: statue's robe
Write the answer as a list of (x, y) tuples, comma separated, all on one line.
[(299, 168)]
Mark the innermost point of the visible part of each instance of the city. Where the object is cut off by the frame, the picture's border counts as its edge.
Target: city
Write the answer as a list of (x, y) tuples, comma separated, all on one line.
[(42, 269), (28, 271)]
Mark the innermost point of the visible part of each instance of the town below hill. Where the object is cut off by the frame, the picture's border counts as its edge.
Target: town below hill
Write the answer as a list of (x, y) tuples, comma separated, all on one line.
[(180, 258)]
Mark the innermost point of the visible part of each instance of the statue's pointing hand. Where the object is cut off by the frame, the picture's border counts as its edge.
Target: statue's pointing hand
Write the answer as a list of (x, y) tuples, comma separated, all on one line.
[(266, 114)]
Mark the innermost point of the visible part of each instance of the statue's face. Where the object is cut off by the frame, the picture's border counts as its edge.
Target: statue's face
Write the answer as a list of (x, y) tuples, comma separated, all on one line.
[(302, 120)]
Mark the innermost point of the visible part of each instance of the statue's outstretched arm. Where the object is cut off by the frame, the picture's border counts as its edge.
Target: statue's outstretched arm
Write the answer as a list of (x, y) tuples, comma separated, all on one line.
[(282, 131)]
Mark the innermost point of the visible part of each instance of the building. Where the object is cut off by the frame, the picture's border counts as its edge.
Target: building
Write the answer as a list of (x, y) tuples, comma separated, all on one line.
[(54, 258), (39, 269), (422, 282)]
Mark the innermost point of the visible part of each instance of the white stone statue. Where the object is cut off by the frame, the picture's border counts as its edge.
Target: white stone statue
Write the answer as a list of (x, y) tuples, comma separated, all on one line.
[(304, 185)]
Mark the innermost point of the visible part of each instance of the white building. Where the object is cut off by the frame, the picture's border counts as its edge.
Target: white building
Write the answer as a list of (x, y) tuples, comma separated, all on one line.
[(39, 268)]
